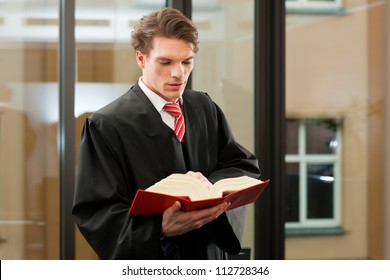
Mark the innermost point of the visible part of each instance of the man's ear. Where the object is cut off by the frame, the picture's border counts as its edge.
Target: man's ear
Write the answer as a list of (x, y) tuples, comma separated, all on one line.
[(140, 59)]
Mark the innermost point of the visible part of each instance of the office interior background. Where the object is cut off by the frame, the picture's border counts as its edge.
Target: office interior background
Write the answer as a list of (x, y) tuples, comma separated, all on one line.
[(336, 77)]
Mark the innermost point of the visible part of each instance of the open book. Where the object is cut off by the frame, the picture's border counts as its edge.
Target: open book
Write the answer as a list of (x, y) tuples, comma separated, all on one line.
[(194, 194)]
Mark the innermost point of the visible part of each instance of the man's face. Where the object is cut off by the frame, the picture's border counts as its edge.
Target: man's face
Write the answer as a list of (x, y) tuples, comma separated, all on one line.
[(166, 68)]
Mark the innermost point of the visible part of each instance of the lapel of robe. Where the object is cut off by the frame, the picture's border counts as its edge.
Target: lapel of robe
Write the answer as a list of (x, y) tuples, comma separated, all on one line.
[(185, 146), (191, 137)]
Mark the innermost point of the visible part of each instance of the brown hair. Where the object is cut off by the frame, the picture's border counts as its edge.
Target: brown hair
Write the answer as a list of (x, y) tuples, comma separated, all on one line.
[(166, 22)]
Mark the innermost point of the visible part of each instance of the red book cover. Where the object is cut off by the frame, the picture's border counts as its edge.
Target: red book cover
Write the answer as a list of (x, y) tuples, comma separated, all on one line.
[(150, 203)]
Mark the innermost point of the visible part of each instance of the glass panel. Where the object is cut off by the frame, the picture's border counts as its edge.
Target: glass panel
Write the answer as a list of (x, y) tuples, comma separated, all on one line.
[(224, 69), (292, 127), (221, 66), (320, 182), (321, 136), (29, 227), (292, 192)]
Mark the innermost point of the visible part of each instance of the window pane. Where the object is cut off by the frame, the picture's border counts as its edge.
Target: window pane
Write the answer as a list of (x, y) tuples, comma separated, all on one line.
[(321, 136), (28, 130), (320, 182), (292, 192), (221, 67), (292, 136)]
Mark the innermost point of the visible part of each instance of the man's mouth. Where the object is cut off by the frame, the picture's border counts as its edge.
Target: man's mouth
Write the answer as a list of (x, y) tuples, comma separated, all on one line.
[(176, 85)]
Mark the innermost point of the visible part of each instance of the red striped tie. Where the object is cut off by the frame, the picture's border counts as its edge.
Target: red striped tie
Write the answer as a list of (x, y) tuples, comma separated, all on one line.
[(175, 111)]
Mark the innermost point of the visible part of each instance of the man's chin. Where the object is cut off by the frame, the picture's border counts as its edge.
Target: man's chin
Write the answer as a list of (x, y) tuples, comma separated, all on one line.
[(173, 95)]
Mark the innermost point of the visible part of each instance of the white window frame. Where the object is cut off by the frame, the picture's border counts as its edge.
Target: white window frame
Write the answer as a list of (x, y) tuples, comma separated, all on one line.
[(317, 5), (304, 160)]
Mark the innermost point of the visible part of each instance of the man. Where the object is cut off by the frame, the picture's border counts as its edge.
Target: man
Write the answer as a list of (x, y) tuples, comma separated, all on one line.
[(131, 144)]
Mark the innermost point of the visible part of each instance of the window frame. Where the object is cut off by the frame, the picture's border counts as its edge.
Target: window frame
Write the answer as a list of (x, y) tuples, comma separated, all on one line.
[(304, 160)]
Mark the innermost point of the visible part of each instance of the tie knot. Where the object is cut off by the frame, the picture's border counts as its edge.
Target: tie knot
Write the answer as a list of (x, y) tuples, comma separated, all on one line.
[(173, 109)]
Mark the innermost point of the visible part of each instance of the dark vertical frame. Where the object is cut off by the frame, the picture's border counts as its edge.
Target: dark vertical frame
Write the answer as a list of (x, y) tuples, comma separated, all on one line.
[(270, 126), (184, 6), (67, 126)]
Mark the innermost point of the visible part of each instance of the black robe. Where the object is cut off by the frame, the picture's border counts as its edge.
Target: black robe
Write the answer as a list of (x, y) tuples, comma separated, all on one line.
[(126, 146)]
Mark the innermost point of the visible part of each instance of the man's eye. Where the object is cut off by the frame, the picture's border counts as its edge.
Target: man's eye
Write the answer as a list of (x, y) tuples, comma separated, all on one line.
[(187, 62), (164, 62)]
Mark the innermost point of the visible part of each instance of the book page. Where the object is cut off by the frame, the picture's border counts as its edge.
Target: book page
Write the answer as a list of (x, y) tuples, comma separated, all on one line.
[(181, 185), (233, 184)]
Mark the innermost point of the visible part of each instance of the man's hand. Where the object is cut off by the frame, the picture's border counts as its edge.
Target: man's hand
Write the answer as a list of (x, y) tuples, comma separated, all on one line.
[(176, 222), (201, 178)]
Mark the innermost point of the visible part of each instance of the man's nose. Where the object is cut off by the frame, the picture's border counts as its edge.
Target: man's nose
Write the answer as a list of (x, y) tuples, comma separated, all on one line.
[(178, 71)]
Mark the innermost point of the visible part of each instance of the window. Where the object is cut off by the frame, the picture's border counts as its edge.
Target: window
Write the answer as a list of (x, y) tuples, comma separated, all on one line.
[(313, 152), (313, 5)]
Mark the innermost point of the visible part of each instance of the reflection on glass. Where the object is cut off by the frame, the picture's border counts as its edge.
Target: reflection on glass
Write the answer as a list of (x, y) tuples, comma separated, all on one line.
[(320, 180), (224, 64), (28, 130), (321, 136)]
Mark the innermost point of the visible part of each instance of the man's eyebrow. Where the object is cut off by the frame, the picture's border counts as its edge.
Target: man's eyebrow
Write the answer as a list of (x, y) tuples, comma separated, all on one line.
[(167, 58)]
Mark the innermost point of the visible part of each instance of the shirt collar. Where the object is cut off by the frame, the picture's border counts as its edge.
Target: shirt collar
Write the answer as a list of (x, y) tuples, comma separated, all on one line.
[(157, 101)]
